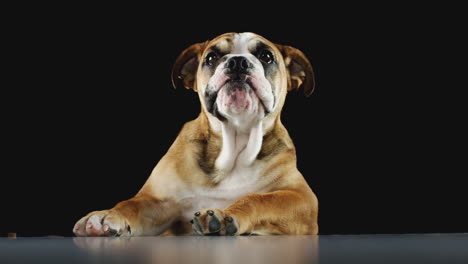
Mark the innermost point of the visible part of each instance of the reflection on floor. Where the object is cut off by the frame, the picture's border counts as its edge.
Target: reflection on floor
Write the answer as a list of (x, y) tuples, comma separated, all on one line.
[(408, 248)]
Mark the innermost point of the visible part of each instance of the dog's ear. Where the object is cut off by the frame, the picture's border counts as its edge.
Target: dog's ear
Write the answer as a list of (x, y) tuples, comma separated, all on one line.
[(299, 69), (185, 68)]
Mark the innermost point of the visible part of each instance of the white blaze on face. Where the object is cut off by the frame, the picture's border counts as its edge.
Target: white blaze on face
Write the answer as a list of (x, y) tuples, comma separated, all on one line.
[(242, 43), (248, 104)]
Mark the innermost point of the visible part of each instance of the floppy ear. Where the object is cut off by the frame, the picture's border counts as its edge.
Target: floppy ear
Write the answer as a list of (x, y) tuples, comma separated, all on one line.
[(185, 68), (299, 69)]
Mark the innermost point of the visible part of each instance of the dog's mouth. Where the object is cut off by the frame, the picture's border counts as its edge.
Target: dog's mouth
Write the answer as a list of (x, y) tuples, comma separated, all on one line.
[(236, 81), (238, 94), (231, 85)]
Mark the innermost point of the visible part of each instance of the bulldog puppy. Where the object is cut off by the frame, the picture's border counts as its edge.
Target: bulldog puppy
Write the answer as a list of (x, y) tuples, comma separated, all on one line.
[(232, 170)]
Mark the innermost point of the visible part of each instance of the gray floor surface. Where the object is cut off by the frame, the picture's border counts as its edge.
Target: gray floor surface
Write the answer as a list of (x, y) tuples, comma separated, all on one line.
[(404, 248)]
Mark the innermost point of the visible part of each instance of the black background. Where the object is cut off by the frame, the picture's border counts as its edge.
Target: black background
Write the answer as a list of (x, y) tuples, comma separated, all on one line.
[(88, 110)]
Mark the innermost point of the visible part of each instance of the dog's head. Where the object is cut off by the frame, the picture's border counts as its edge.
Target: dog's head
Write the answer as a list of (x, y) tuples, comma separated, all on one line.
[(242, 75)]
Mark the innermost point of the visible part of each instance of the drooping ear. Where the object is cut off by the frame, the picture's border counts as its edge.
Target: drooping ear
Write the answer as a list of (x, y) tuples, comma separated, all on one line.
[(185, 68), (299, 69)]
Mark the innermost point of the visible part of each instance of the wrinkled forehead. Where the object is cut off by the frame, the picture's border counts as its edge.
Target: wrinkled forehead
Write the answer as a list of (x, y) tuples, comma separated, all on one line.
[(239, 43)]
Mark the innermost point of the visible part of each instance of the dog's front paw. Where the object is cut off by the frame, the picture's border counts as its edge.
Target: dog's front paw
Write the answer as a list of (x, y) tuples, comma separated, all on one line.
[(214, 222), (102, 223)]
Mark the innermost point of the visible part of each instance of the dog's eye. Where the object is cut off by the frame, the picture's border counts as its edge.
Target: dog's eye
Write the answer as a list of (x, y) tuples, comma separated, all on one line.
[(266, 56), (211, 58)]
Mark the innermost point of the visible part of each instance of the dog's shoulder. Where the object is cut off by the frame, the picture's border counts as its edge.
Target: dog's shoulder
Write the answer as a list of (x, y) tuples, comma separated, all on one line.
[(196, 145)]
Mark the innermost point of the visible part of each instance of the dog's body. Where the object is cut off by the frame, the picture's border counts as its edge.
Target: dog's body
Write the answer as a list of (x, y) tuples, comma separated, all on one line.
[(232, 170)]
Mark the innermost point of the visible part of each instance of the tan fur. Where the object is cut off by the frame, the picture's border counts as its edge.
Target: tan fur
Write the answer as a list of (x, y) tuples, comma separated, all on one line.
[(286, 205)]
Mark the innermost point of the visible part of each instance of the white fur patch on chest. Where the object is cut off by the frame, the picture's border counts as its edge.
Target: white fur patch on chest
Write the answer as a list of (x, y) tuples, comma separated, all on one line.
[(239, 175), (235, 185)]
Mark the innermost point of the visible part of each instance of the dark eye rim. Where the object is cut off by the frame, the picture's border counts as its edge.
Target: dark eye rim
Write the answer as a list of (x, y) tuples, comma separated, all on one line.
[(207, 58), (269, 52)]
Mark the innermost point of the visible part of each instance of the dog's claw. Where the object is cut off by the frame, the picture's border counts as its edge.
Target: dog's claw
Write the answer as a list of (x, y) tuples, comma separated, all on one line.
[(102, 223), (213, 222)]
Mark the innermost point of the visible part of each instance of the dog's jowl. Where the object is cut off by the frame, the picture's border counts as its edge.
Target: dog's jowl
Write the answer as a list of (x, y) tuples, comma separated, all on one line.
[(232, 170)]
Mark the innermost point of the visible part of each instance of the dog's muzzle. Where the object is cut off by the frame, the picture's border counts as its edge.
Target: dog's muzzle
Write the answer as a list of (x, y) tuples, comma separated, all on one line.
[(235, 79)]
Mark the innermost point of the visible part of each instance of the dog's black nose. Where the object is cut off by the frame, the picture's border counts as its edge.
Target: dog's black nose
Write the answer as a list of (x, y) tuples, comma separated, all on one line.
[(239, 64)]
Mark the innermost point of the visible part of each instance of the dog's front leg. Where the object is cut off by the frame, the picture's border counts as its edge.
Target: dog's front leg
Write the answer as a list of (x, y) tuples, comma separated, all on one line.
[(141, 215), (289, 212)]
